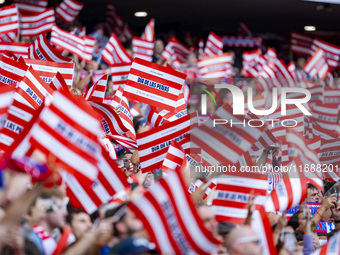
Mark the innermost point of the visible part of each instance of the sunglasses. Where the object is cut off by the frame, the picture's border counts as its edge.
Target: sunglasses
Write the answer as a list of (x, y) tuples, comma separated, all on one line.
[(249, 239)]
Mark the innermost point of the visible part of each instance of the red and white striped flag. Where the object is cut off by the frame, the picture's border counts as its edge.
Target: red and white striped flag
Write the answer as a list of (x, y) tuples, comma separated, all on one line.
[(290, 191), (153, 84), (331, 247), (58, 82), (331, 51), (316, 66), (113, 20), (128, 143), (329, 155), (125, 114), (47, 70), (154, 118), (300, 44), (214, 45), (60, 131), (43, 50), (18, 49), (153, 144), (227, 142), (8, 37), (68, 10), (6, 96), (174, 157), (110, 181), (149, 32), (261, 225), (217, 66), (82, 47), (31, 6), (142, 48), (176, 52), (11, 71), (326, 115), (34, 24), (230, 201), (97, 92), (166, 209), (114, 52), (111, 122), (119, 74), (19, 115), (32, 90), (9, 17)]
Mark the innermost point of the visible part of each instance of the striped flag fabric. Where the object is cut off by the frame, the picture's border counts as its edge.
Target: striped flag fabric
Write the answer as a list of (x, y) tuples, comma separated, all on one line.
[(331, 51), (153, 84), (60, 131), (331, 247), (180, 110), (217, 66), (142, 48), (149, 31), (176, 52), (31, 6), (18, 117), (110, 181), (326, 115), (214, 45), (97, 92), (261, 225), (154, 118), (125, 114), (34, 24), (329, 155), (10, 19), (201, 49), (58, 82), (82, 47), (32, 90), (11, 71), (166, 209), (111, 122), (43, 50), (317, 66), (127, 142), (114, 52), (230, 201), (6, 96), (226, 143), (153, 144), (113, 20), (290, 191), (18, 49), (8, 37), (68, 10), (48, 69), (119, 74), (174, 157), (300, 44)]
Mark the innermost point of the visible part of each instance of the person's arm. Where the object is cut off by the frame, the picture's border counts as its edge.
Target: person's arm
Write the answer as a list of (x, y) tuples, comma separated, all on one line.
[(92, 242), (308, 234), (282, 222), (263, 158), (336, 215), (251, 209), (327, 204)]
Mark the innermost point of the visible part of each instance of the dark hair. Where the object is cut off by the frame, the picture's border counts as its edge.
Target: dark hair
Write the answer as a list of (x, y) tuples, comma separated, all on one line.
[(71, 211), (332, 233), (294, 220), (311, 186), (299, 235), (136, 121)]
